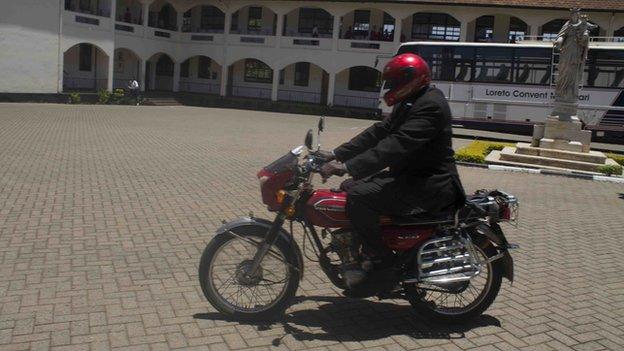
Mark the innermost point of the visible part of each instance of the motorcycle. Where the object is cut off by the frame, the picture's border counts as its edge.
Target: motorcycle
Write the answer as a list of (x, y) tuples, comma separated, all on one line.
[(448, 266)]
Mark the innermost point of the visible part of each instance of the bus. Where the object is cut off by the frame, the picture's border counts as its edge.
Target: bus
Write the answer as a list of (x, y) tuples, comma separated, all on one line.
[(508, 87)]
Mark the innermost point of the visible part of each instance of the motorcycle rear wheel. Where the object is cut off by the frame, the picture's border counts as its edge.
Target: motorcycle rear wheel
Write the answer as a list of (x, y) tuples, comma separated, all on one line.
[(250, 288), (430, 310)]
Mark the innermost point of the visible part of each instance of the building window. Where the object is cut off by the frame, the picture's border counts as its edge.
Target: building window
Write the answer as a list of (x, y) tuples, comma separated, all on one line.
[(164, 66), (302, 74), (484, 28), (517, 29), (234, 25), (86, 57), (282, 73), (184, 68), (254, 23), (619, 34), (212, 18), (361, 23), (551, 29), (388, 27), (257, 72), (435, 26), (363, 78), (310, 17), (84, 5), (203, 67)]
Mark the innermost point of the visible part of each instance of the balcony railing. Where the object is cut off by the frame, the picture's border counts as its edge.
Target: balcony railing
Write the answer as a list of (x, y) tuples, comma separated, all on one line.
[(253, 92), (86, 20), (366, 46), (299, 96), (200, 87), (356, 101)]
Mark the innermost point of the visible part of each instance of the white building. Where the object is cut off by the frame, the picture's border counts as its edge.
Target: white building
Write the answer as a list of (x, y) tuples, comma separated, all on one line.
[(320, 52)]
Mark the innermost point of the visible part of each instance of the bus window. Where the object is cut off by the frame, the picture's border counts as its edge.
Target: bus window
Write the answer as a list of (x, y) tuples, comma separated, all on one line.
[(605, 68), (493, 64), (463, 59), (531, 65)]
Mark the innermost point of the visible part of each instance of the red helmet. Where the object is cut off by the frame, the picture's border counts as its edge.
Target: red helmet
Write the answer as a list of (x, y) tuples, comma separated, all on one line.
[(405, 74)]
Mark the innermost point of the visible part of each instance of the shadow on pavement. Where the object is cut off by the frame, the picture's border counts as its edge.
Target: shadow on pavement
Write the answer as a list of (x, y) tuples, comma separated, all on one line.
[(345, 319), (621, 196)]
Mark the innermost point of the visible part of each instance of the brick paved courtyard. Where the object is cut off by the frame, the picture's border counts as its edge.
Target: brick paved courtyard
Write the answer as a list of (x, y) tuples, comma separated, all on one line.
[(104, 212)]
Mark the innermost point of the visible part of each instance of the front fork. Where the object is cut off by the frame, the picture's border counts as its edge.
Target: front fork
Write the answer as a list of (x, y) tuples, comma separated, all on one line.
[(270, 237)]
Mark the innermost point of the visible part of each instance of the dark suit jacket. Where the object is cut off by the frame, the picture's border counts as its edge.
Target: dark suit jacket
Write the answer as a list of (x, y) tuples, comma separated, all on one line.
[(415, 144)]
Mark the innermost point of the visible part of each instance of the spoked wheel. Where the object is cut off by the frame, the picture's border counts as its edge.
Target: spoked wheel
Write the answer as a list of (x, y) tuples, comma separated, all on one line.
[(225, 278), (461, 301)]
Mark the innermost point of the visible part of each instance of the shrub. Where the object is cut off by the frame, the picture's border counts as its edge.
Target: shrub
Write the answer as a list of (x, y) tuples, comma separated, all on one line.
[(476, 151), (104, 97), (610, 170), (74, 98), (617, 158)]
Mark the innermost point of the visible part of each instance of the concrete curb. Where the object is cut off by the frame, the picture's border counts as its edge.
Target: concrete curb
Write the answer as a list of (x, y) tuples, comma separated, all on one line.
[(570, 174)]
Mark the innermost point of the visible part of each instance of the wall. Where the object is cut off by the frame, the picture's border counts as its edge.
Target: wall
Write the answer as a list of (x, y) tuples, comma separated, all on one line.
[(29, 46)]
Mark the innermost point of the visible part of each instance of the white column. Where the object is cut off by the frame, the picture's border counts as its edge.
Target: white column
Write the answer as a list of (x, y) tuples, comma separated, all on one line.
[(224, 66), (145, 14), (142, 67), (336, 33), (463, 34), (111, 70), (179, 19), (113, 13), (279, 29), (176, 76), (275, 85), (331, 87), (61, 58), (397, 32)]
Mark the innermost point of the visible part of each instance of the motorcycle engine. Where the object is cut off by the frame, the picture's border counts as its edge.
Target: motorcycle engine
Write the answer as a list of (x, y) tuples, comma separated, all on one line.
[(344, 244)]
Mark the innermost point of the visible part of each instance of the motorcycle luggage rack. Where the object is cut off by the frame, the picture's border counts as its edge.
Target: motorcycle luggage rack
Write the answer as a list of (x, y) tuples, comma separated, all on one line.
[(437, 264)]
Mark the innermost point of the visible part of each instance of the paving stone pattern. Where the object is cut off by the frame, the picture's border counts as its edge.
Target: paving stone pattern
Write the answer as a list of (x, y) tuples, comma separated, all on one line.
[(104, 212)]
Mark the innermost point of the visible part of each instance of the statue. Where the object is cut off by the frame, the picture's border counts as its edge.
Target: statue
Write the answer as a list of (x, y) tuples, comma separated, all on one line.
[(572, 43)]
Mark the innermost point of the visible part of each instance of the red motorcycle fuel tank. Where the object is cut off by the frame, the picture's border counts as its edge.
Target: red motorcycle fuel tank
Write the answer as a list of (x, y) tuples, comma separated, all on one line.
[(326, 208)]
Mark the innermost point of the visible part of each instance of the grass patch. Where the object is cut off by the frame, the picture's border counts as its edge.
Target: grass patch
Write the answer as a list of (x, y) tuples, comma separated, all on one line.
[(619, 158), (611, 170), (476, 151)]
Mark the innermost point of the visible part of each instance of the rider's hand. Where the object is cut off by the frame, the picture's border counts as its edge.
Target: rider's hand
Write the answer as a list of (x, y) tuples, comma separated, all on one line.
[(333, 168), (325, 156)]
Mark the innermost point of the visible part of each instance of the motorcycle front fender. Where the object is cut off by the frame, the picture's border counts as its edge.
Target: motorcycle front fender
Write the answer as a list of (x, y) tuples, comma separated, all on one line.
[(495, 234), (283, 235)]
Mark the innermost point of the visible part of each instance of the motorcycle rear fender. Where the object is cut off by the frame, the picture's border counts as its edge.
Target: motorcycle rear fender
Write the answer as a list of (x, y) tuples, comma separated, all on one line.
[(265, 224), (495, 234)]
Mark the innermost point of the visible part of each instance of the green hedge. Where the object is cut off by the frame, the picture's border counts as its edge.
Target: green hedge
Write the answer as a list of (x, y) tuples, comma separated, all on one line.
[(611, 170), (476, 151)]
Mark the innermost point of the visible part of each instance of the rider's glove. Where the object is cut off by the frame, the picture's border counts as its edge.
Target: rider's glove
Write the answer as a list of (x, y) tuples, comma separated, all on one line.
[(333, 168), (325, 156)]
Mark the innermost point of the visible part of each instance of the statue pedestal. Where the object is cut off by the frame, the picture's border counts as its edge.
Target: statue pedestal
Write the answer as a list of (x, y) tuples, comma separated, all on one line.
[(562, 135), (557, 145)]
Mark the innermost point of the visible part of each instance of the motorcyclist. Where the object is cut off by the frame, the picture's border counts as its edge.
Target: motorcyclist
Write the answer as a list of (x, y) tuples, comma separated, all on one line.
[(414, 144)]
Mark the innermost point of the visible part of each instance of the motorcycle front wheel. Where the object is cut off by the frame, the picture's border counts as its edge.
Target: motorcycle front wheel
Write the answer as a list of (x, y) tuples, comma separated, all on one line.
[(224, 278), (464, 301)]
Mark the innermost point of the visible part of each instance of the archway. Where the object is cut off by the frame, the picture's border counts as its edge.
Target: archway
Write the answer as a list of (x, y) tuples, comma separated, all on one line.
[(126, 67), (254, 20), (308, 22), (303, 82), (550, 30), (163, 15), (368, 24), (250, 77), (204, 19), (85, 68), (200, 74), (129, 11), (499, 28), (358, 86), (159, 73), (431, 26)]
